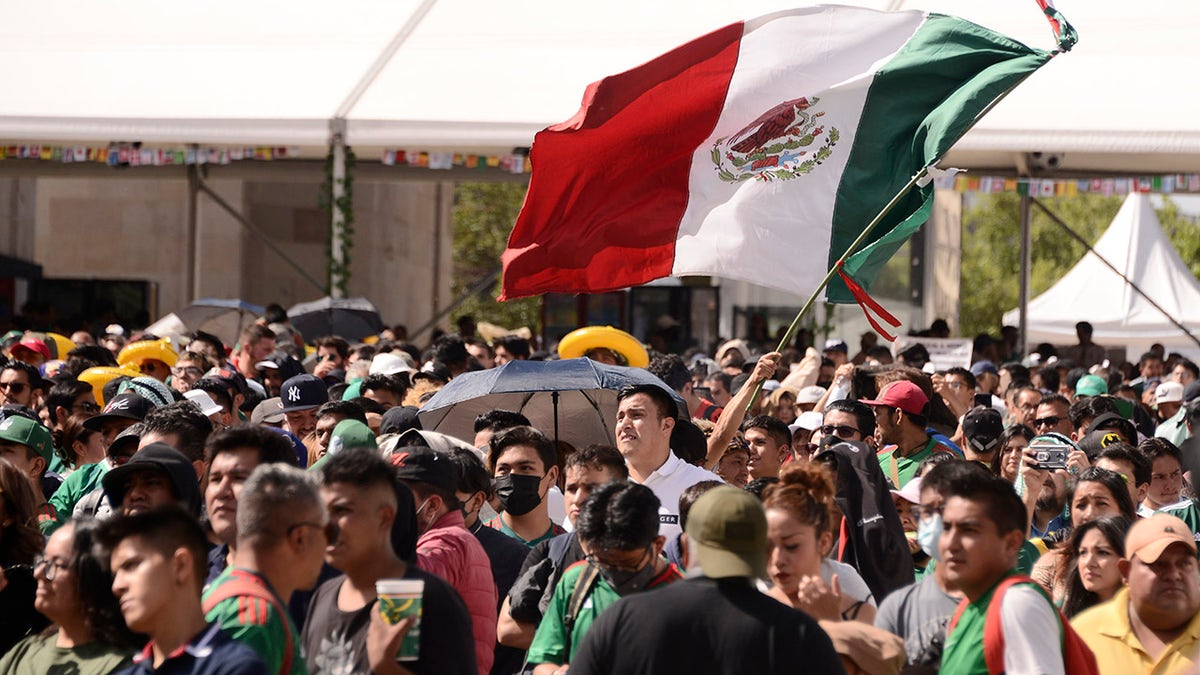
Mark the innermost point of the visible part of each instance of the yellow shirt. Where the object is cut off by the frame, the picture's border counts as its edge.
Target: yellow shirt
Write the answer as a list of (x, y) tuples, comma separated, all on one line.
[(1105, 628)]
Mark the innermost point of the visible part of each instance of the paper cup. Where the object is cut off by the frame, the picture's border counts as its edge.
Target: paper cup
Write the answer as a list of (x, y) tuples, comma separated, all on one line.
[(400, 598)]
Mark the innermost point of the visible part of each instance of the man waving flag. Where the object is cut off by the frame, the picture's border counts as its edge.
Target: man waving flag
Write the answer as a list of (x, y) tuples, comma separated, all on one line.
[(760, 151)]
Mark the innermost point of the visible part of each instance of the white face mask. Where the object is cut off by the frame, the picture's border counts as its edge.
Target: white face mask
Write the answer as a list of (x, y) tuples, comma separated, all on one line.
[(421, 526), (929, 531)]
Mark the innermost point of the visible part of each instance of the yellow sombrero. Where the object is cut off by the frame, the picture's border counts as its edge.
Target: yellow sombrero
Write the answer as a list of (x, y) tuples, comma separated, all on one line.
[(579, 342), (98, 376)]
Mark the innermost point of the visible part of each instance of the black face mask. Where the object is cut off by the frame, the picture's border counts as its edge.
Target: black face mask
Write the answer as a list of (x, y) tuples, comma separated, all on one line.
[(627, 583), (518, 494)]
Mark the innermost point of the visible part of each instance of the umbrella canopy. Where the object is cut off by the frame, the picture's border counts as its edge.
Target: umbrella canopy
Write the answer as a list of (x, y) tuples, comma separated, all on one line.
[(585, 409), (350, 318), (225, 318)]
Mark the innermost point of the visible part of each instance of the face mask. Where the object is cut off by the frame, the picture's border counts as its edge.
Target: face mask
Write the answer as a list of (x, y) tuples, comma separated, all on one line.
[(420, 525), (518, 494), (929, 531), (625, 582)]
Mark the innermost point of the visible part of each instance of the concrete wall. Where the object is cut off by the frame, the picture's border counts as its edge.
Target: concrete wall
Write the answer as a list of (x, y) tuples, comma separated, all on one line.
[(125, 226)]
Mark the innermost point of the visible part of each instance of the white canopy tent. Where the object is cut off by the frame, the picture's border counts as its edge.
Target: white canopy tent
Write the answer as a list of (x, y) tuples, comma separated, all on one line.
[(1135, 244), (487, 76)]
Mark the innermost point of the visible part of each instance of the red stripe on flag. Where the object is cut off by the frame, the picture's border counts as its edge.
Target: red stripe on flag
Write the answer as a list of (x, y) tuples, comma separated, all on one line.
[(608, 216), (868, 303)]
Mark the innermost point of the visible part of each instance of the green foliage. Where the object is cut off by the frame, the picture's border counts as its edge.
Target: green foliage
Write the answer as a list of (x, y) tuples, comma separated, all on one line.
[(484, 214), (991, 249), (339, 268)]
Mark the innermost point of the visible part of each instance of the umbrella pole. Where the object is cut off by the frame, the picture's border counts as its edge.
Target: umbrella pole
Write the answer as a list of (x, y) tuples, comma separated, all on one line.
[(554, 399)]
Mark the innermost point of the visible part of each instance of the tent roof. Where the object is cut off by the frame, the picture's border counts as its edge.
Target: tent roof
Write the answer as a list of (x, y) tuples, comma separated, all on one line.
[(489, 75), (1135, 244)]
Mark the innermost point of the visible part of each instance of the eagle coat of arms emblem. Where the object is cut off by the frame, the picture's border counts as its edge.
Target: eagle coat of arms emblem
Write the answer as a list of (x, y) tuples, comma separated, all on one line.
[(785, 142)]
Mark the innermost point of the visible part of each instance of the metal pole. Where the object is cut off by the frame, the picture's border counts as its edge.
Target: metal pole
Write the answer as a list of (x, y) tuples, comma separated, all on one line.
[(192, 283), (1023, 300), (337, 226)]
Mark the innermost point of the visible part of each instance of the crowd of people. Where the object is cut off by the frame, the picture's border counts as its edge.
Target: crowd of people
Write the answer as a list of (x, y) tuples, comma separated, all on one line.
[(175, 504)]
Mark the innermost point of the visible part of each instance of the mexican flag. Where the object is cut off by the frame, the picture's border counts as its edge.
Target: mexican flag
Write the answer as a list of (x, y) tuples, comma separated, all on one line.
[(759, 152)]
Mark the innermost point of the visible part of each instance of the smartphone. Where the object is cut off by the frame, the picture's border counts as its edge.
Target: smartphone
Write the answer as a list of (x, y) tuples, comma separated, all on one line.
[(984, 400), (703, 392), (1050, 456)]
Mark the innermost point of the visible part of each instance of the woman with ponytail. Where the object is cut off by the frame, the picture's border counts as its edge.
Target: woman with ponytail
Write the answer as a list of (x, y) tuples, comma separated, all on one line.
[(800, 517)]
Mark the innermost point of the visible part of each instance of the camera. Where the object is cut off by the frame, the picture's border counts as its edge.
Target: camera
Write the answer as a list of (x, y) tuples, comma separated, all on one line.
[(1050, 456)]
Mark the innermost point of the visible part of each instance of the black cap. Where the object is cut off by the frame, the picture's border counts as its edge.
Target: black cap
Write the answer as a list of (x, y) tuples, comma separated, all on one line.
[(126, 406), (303, 392), (982, 427), (1111, 420), (425, 466), (399, 419), (1095, 443), (164, 458)]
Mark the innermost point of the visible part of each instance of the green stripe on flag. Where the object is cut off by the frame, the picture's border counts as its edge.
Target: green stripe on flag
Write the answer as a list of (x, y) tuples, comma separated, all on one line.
[(919, 105)]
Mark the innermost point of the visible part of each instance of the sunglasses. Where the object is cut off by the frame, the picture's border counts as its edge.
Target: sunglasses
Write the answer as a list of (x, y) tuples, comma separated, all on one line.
[(1050, 421), (839, 430), (14, 387)]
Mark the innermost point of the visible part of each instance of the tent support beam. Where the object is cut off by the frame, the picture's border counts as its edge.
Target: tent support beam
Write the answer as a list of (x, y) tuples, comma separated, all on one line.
[(1026, 246), (337, 227), (192, 235), (1075, 235), (253, 229)]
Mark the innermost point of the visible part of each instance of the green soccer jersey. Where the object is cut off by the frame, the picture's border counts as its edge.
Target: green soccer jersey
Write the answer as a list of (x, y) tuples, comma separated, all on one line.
[(550, 642), (255, 623), (900, 470), (74, 488), (1184, 509)]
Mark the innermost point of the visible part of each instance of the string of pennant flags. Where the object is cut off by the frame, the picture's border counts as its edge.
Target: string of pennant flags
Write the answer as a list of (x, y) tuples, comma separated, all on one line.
[(135, 155), (128, 154), (1063, 187)]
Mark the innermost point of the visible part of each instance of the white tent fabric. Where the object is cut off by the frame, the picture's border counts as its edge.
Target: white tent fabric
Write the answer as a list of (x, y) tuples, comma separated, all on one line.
[(1135, 244), (488, 75)]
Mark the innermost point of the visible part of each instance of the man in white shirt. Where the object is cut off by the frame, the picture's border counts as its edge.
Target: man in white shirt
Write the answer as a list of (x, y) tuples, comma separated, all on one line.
[(646, 416)]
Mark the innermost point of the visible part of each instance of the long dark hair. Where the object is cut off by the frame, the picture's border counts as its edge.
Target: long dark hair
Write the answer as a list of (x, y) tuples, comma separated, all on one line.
[(1078, 598), (20, 540), (1115, 484), (102, 611), (1009, 433)]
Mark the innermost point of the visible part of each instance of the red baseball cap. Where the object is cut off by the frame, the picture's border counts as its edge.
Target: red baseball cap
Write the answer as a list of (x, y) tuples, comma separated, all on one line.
[(904, 395)]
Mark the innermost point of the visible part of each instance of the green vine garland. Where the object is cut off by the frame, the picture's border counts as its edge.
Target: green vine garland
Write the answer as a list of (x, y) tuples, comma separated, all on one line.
[(335, 268)]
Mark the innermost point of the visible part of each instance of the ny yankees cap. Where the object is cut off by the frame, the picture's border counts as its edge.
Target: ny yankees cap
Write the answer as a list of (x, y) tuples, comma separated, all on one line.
[(303, 392), (126, 405)]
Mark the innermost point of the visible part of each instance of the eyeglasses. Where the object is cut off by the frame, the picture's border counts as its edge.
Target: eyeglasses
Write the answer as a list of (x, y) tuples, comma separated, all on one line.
[(330, 529), (87, 407), (47, 568), (840, 430), (13, 387), (180, 371), (600, 562), (1050, 421)]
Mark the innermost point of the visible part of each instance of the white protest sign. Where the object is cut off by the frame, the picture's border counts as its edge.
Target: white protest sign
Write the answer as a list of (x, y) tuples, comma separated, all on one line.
[(944, 353)]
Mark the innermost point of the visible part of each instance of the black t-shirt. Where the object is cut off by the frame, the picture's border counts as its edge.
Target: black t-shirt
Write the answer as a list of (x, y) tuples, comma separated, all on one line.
[(506, 556), (705, 626), (336, 641), (18, 618)]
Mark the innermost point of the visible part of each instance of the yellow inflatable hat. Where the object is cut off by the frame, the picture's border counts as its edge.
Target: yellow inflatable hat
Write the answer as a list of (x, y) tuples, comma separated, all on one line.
[(579, 342), (99, 376), (135, 353)]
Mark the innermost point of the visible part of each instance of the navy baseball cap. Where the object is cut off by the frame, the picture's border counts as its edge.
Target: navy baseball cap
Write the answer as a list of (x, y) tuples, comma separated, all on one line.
[(303, 392)]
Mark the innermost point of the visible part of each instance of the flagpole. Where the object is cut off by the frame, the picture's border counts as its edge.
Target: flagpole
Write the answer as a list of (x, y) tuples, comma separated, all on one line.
[(833, 269)]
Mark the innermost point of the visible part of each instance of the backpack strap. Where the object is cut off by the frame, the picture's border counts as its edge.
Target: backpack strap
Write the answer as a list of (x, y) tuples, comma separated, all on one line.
[(235, 587), (583, 587), (1077, 656)]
